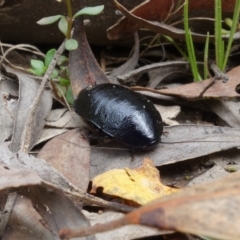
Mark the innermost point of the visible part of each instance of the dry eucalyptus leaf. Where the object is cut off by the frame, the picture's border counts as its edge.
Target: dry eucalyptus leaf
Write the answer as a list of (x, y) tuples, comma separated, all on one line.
[(210, 210), (28, 88), (129, 65), (84, 69), (25, 222), (56, 209), (156, 77), (13, 178), (63, 118), (9, 88), (69, 153), (221, 160), (219, 89), (23, 161), (119, 30), (178, 143), (124, 233), (49, 133), (152, 14), (55, 114), (229, 111), (168, 113), (7, 109), (163, 66)]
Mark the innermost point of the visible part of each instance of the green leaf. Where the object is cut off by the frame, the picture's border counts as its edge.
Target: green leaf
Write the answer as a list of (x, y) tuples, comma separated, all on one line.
[(64, 81), (37, 64), (71, 44), (228, 22), (54, 73), (37, 72), (49, 20), (63, 25), (89, 11), (69, 95), (62, 60), (224, 31), (49, 57)]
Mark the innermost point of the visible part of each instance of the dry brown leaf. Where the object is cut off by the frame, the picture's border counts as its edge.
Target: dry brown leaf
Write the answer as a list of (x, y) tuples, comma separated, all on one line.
[(63, 118), (151, 14), (219, 89), (210, 210), (129, 65), (178, 143), (7, 108), (24, 161), (25, 222), (69, 153), (83, 67), (28, 88), (54, 207)]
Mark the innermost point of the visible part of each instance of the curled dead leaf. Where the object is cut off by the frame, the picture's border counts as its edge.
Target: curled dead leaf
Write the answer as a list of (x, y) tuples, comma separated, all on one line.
[(140, 185)]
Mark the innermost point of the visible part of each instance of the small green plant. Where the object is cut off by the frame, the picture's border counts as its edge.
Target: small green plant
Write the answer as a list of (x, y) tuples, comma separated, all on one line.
[(65, 23), (40, 67), (60, 77)]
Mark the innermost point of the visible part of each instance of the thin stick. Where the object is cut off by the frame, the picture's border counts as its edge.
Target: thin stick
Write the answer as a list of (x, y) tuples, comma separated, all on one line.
[(67, 233), (91, 200), (219, 75), (18, 47), (28, 128)]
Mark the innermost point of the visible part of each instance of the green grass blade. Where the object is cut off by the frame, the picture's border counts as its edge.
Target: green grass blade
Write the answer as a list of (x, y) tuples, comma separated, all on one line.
[(196, 74), (190, 47), (218, 33), (177, 47), (233, 29), (205, 60)]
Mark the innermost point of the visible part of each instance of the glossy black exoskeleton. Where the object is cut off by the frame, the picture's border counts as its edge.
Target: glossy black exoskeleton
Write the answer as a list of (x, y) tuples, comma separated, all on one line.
[(121, 113)]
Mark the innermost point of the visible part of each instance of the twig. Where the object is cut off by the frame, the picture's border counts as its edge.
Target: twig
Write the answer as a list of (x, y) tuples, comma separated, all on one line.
[(66, 233), (22, 47), (218, 75), (92, 200), (150, 44), (64, 98), (78, 195), (28, 128), (125, 78)]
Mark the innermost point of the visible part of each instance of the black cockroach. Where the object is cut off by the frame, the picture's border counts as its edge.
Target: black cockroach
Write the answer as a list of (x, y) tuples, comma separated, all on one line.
[(121, 113)]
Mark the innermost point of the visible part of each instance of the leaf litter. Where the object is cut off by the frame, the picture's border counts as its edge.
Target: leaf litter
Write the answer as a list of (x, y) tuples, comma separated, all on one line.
[(58, 178), (46, 198), (202, 210)]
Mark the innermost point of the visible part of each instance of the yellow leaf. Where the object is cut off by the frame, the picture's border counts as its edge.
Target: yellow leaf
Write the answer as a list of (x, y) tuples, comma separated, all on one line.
[(140, 185)]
